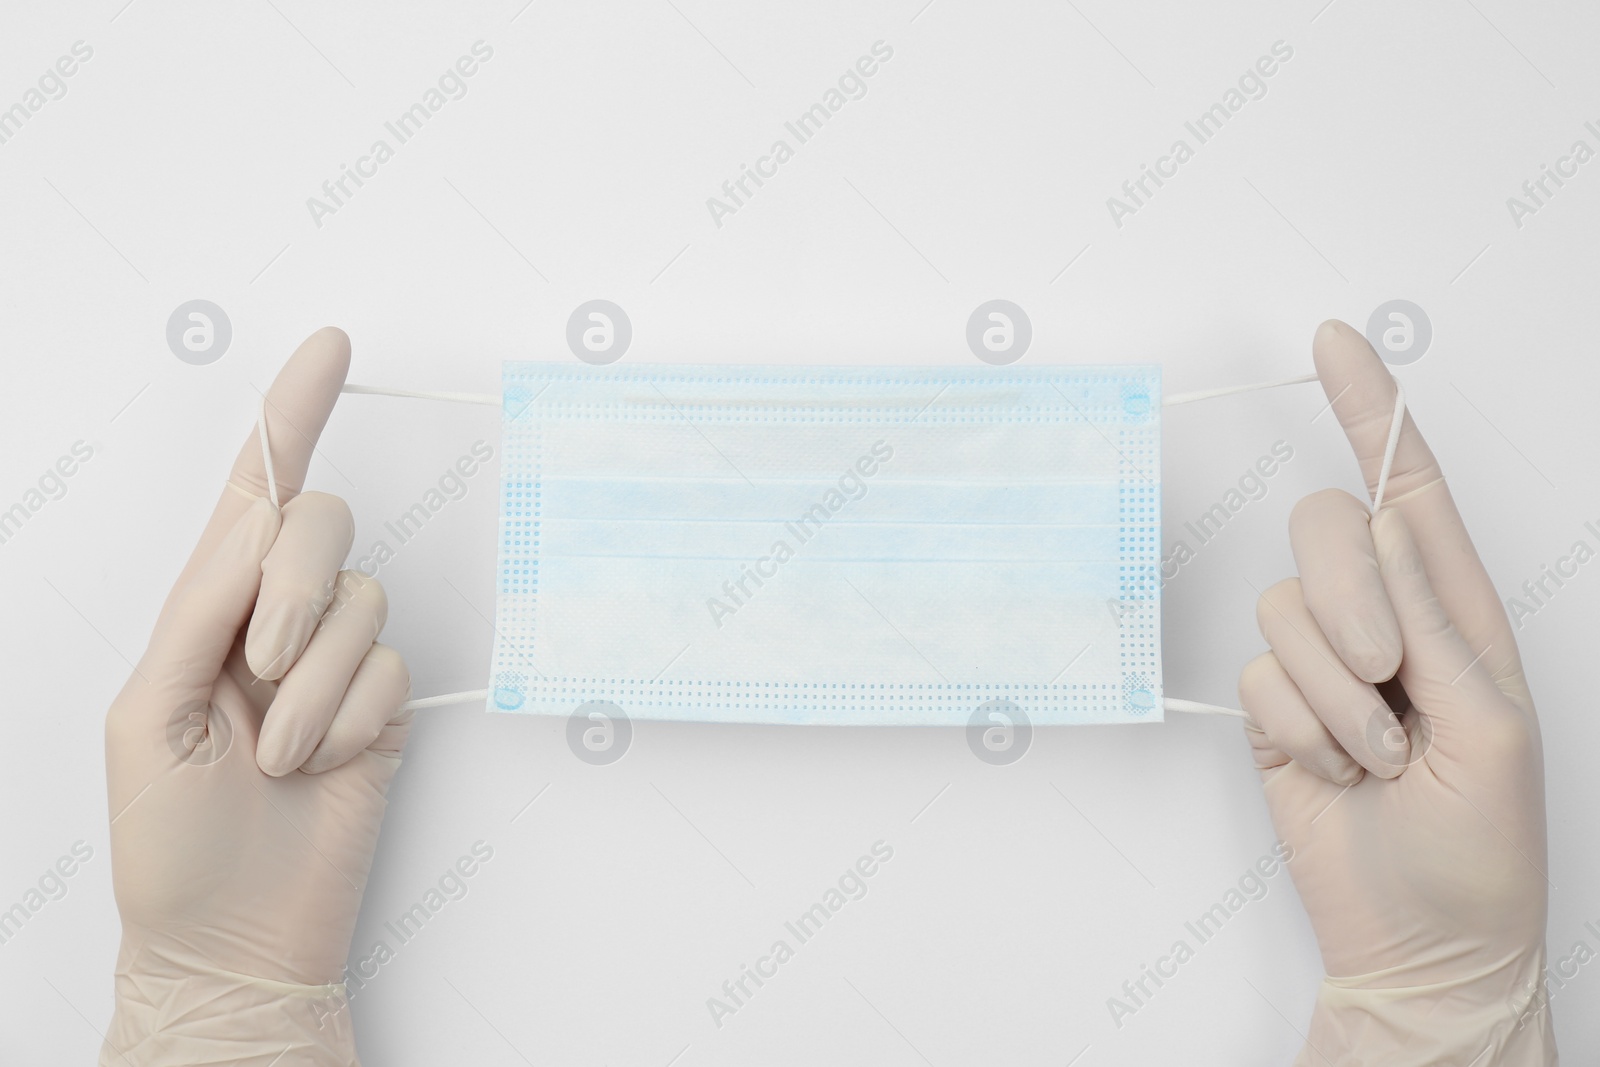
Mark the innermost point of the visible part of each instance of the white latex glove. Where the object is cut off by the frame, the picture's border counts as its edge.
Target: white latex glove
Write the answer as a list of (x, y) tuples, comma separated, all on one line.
[(1420, 854), (247, 768)]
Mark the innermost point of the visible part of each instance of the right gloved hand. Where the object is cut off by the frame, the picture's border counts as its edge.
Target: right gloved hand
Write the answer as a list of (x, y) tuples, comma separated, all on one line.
[(1419, 840)]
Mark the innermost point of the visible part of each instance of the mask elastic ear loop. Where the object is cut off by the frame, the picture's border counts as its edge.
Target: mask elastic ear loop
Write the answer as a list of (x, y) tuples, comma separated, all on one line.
[(266, 455), (1396, 423), (1230, 390), (443, 700), (457, 398)]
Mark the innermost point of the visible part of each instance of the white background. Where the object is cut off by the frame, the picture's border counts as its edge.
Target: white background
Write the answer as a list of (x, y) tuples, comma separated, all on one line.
[(977, 166)]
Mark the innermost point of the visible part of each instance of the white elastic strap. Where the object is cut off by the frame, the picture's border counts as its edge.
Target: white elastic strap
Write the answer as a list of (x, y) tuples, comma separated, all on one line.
[(266, 454), (1396, 422), (444, 700), (457, 398), (1169, 703), (1197, 708), (1207, 394), (272, 494)]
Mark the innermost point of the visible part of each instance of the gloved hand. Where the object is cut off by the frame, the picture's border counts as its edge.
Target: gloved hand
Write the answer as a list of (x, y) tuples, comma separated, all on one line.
[(247, 761), (1419, 842)]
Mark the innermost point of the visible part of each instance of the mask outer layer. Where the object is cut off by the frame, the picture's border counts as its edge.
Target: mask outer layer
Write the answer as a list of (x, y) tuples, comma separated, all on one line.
[(834, 545)]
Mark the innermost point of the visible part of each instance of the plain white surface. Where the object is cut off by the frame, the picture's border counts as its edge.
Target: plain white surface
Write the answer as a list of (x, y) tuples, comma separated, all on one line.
[(978, 166)]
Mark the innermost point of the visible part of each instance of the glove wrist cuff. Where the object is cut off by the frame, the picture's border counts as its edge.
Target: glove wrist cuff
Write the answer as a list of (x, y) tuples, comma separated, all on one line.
[(222, 1017), (1498, 1015)]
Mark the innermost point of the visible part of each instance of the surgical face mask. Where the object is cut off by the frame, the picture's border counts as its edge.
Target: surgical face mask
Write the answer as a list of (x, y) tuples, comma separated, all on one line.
[(830, 545)]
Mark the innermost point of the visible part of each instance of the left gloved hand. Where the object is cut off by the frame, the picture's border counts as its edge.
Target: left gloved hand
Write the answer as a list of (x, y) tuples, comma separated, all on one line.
[(247, 759)]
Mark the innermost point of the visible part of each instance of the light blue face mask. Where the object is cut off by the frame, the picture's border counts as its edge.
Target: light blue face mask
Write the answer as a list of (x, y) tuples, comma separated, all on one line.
[(830, 545)]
